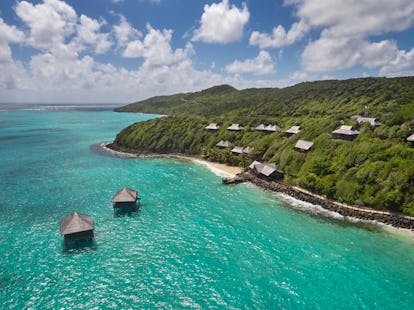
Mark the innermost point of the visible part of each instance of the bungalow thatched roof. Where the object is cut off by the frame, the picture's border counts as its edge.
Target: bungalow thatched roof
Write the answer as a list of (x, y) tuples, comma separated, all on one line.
[(212, 126), (76, 222), (362, 119), (223, 143), (293, 130), (248, 150), (261, 127), (264, 169), (346, 130), (411, 138), (125, 195), (303, 145), (272, 128), (235, 127), (237, 150)]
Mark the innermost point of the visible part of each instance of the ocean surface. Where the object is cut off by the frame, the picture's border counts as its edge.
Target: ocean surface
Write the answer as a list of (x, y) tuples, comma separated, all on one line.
[(193, 243)]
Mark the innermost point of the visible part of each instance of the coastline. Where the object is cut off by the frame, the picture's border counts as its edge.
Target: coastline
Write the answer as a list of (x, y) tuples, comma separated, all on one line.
[(287, 192)]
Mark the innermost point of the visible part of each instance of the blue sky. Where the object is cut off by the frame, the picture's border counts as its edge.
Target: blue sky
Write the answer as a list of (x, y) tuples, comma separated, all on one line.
[(125, 50)]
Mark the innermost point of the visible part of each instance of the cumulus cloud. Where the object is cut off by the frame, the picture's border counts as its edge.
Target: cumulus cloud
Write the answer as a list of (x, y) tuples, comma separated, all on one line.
[(221, 23), (329, 54), (401, 65), (279, 36), (347, 27), (124, 32), (88, 35), (262, 64), (156, 49), (8, 34)]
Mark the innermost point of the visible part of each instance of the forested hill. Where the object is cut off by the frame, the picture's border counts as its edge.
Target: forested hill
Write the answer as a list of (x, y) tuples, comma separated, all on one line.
[(379, 95), (374, 170)]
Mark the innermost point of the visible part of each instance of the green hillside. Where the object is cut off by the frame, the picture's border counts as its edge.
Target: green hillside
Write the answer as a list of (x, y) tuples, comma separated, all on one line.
[(374, 170)]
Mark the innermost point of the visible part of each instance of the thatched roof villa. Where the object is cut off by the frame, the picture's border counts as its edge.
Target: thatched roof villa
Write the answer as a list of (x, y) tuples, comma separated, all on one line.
[(125, 198), (237, 150), (248, 150), (235, 127), (268, 128), (77, 226), (411, 139), (362, 119), (223, 144), (266, 170), (212, 127), (293, 130), (261, 127), (303, 146), (345, 132)]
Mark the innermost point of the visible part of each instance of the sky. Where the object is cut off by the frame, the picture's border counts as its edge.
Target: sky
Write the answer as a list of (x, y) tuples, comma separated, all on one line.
[(120, 51)]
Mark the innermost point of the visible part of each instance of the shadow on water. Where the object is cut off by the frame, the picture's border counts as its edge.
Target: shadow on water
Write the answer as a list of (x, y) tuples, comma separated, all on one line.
[(128, 212), (79, 246)]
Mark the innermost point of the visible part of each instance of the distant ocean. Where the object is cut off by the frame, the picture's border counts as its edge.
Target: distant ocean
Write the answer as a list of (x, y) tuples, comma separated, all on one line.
[(194, 244)]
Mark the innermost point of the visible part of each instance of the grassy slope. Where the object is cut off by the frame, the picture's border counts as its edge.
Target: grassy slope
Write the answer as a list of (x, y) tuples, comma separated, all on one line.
[(375, 170)]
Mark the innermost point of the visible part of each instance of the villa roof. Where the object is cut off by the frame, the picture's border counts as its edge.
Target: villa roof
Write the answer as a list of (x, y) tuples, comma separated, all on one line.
[(237, 149), (248, 150), (125, 195), (235, 127), (362, 119), (346, 130), (272, 128), (293, 129), (261, 127), (264, 169), (303, 145), (212, 126), (76, 222), (411, 138), (223, 143)]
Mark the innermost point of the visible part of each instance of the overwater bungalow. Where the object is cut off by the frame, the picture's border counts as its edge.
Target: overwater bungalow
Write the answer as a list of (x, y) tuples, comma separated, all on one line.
[(212, 127), (345, 132), (223, 144), (411, 139), (362, 119), (266, 171), (235, 127), (77, 226), (292, 130), (125, 198), (237, 150), (303, 146)]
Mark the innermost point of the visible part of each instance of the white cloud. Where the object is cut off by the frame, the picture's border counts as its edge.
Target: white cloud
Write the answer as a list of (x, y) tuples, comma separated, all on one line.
[(8, 34), (221, 23), (279, 37), (49, 22), (346, 28), (156, 48), (88, 35), (401, 65), (124, 32), (262, 64), (329, 54)]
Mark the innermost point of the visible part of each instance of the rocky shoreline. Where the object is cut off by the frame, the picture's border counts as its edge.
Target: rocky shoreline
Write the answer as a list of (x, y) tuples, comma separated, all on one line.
[(396, 220)]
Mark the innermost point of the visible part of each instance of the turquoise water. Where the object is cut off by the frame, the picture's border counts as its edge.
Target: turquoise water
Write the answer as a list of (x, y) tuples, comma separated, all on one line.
[(194, 243)]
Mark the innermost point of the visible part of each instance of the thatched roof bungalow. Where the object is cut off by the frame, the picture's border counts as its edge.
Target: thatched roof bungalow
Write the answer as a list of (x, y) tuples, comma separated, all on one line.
[(271, 128), (303, 146), (293, 130), (248, 150), (223, 144), (411, 139), (362, 119), (212, 127), (77, 226), (345, 132), (266, 170), (261, 127), (237, 150), (235, 127), (125, 198)]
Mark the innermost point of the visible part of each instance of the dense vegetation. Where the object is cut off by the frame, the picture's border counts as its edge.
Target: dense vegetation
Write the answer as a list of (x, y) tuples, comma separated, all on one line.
[(375, 170)]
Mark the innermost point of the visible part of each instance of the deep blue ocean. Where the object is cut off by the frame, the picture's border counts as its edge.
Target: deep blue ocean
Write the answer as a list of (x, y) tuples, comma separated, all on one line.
[(193, 244)]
